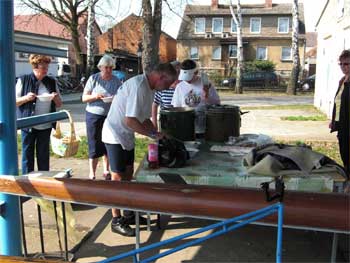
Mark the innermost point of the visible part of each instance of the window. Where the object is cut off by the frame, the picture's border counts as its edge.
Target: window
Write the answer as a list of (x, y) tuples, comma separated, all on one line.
[(261, 53), (233, 26), (232, 51), (194, 53), (255, 25), (216, 53), (217, 25), (283, 25), (23, 56), (286, 53), (199, 25)]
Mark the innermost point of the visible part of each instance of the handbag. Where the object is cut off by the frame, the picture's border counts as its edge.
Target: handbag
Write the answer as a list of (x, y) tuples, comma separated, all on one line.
[(65, 144)]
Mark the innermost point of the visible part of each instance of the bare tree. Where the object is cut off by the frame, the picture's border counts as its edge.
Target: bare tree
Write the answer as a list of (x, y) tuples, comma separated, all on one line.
[(64, 12), (238, 21), (90, 38), (152, 19), (293, 82)]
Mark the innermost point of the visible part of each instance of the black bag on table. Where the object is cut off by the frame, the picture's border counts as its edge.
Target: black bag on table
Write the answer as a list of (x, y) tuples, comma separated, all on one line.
[(172, 153)]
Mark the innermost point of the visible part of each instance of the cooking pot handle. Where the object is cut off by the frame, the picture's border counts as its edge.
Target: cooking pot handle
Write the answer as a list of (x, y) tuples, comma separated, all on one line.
[(243, 112)]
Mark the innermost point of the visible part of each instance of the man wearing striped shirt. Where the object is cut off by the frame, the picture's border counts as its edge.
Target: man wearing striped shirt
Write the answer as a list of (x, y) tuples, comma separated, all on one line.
[(163, 98)]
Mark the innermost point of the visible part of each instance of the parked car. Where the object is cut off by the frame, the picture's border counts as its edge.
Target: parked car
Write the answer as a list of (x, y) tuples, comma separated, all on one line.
[(254, 79), (307, 84)]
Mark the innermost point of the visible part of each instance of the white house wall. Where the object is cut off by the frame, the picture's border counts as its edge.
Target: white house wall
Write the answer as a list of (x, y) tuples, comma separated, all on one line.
[(22, 65), (333, 38)]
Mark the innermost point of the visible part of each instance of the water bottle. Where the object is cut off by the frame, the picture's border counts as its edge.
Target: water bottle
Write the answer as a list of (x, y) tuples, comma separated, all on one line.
[(153, 162)]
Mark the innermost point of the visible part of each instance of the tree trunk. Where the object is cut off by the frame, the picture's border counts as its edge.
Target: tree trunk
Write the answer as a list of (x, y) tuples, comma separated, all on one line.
[(238, 21), (90, 39), (151, 33), (293, 82), (66, 13)]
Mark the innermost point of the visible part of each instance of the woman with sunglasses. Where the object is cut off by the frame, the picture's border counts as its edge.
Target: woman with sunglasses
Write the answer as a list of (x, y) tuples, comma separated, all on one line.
[(341, 112)]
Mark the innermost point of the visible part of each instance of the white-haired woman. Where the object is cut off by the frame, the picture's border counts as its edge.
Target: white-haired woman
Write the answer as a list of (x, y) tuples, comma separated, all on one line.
[(98, 87)]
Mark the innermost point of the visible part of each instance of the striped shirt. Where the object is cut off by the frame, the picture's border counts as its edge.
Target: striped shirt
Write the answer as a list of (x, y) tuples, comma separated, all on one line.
[(163, 98)]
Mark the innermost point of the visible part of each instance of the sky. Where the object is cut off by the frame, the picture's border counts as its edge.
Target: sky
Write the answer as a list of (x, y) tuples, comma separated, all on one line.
[(111, 12)]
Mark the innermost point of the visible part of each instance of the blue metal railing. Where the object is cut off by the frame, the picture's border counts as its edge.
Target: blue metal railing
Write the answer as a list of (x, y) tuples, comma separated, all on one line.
[(10, 231), (226, 226), (40, 119)]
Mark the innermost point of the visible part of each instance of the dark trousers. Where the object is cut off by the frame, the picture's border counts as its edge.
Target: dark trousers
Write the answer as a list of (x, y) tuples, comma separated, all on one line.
[(344, 147), (35, 141)]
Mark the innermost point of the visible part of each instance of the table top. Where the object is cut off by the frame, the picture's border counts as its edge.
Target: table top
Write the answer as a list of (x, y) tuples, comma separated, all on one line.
[(222, 169)]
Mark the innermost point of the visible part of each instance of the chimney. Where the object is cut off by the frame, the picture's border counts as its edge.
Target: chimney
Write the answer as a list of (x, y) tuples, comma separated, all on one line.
[(214, 4), (268, 3)]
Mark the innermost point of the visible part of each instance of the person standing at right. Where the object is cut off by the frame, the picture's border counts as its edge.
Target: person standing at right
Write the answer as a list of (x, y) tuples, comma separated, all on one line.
[(341, 113)]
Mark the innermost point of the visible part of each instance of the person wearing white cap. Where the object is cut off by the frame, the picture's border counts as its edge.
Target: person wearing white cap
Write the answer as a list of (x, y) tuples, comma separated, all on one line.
[(194, 91)]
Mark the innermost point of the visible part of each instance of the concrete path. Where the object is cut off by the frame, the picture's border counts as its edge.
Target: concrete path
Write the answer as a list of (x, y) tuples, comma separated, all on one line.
[(249, 244)]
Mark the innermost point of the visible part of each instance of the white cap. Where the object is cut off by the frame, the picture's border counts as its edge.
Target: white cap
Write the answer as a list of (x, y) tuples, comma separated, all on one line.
[(187, 74)]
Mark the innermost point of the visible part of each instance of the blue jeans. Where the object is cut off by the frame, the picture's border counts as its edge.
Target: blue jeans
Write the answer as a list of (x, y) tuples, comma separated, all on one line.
[(35, 141)]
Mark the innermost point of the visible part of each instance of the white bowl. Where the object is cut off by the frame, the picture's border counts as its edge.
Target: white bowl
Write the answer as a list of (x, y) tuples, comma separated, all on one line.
[(192, 144), (107, 99), (45, 97)]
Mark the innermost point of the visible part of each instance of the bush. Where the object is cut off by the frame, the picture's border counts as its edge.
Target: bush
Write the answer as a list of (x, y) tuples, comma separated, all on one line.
[(215, 77), (259, 65)]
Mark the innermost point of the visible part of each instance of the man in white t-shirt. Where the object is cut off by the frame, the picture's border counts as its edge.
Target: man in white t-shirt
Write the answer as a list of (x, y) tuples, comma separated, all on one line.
[(130, 112), (194, 91)]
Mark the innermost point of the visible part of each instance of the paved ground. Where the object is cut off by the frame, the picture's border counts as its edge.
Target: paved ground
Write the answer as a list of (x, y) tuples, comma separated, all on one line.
[(250, 244)]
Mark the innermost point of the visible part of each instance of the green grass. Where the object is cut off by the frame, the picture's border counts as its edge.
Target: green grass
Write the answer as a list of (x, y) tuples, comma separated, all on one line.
[(140, 148), (305, 118)]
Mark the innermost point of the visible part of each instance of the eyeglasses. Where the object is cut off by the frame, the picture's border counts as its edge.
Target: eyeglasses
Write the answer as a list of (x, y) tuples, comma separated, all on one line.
[(343, 64)]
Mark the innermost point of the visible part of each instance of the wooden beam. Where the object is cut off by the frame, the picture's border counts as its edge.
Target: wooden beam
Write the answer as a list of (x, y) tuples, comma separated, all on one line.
[(310, 210), (10, 259)]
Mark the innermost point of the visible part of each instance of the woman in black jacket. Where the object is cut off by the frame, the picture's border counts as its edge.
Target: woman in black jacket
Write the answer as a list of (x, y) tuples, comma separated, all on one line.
[(36, 94), (341, 113)]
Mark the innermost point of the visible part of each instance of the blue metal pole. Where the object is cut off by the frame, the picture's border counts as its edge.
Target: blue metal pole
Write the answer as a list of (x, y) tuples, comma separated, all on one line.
[(279, 233), (10, 234)]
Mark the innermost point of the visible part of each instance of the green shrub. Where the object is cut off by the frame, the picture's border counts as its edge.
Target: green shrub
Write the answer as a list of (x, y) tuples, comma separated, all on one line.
[(259, 65), (215, 77)]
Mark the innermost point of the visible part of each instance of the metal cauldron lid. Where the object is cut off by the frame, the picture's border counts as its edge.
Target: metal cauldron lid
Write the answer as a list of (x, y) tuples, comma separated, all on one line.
[(177, 109)]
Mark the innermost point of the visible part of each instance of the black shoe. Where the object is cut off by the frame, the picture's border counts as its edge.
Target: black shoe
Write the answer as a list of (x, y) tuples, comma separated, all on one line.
[(132, 220), (122, 228)]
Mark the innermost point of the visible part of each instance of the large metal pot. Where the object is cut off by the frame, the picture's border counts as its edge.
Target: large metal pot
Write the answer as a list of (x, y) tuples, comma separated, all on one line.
[(178, 122), (222, 121)]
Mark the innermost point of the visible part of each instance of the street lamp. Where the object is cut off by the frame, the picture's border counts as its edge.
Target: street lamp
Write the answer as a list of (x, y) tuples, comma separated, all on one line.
[(139, 56)]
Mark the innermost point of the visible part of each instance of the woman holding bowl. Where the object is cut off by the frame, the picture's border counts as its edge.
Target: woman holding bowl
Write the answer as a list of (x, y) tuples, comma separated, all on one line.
[(98, 93), (36, 94)]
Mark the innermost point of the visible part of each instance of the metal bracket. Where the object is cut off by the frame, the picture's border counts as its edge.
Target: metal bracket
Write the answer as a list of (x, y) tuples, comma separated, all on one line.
[(2, 207), (69, 172), (279, 189)]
